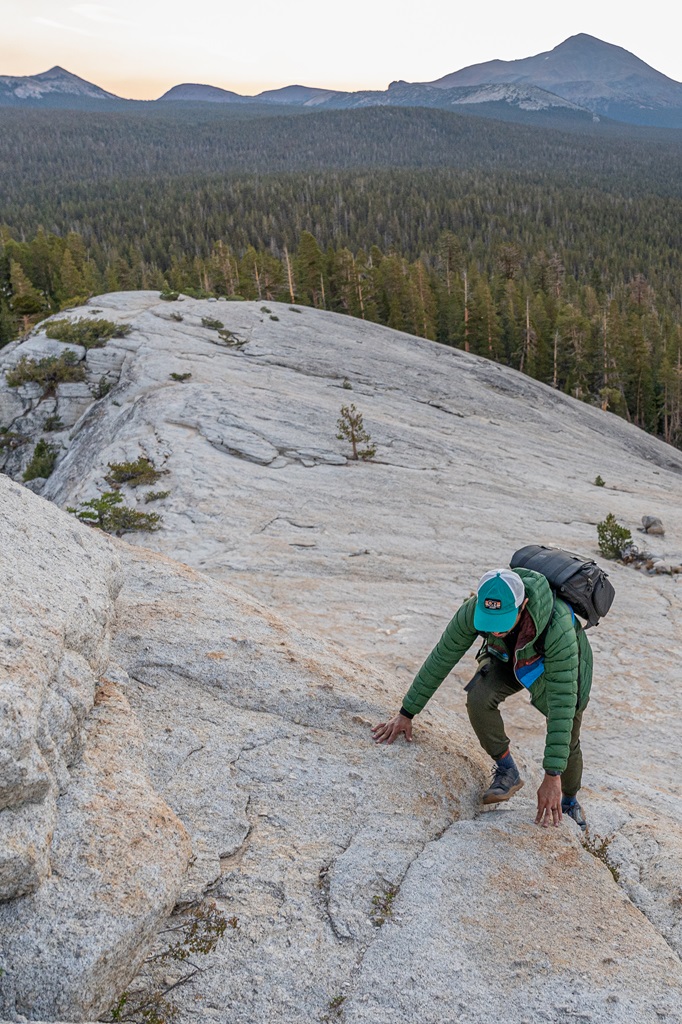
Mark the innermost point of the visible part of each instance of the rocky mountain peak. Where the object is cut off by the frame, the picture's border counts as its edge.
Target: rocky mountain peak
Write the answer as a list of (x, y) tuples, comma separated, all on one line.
[(600, 76), (53, 82), (58, 72)]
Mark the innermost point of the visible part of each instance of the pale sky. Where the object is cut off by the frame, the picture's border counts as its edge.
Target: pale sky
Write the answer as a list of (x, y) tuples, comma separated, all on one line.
[(140, 48)]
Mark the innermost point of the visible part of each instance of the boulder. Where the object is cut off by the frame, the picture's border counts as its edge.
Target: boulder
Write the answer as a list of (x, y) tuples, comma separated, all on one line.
[(652, 524)]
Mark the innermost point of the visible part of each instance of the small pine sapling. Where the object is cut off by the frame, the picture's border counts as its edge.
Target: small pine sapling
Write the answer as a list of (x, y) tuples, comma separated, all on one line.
[(109, 513), (351, 428), (612, 537), (53, 423), (102, 388)]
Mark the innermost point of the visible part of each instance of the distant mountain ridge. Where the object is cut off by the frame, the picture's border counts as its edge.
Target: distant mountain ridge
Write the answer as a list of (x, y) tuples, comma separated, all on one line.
[(602, 77), (398, 94), (303, 94), (582, 78), (195, 93), (55, 82), (407, 94)]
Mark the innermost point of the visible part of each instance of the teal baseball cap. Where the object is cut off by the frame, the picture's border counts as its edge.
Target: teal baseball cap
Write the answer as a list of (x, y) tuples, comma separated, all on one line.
[(499, 596)]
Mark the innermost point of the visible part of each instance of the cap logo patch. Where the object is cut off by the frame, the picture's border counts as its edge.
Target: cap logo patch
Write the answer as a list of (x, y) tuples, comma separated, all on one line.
[(492, 604)]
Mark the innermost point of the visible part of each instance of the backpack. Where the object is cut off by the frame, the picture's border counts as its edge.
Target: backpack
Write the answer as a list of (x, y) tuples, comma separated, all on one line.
[(579, 582)]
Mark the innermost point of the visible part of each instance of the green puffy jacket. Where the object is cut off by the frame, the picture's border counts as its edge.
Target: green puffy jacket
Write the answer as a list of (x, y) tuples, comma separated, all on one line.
[(552, 679)]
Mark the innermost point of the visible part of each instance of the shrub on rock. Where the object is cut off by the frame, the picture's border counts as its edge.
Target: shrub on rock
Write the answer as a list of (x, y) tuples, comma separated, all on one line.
[(11, 439), (155, 496), (42, 461), (108, 512), (48, 372), (141, 471), (612, 537), (88, 333)]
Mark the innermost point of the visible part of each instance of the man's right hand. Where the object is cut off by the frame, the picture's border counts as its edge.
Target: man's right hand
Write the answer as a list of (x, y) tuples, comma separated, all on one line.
[(387, 732)]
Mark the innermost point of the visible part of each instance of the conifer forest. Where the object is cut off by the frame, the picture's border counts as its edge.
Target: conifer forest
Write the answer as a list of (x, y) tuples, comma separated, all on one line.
[(554, 250)]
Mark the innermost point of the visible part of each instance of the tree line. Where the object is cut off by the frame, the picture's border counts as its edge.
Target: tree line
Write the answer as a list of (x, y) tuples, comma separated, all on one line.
[(615, 341)]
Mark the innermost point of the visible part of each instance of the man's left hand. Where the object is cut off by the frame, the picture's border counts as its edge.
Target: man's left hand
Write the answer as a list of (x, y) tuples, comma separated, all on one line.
[(549, 801)]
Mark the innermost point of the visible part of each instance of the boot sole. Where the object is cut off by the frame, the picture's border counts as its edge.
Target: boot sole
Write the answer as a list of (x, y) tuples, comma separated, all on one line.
[(493, 798)]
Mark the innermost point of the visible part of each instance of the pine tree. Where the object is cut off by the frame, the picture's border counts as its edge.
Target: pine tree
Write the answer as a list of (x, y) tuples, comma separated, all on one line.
[(343, 282), (25, 300), (484, 328), (309, 271), (224, 276), (423, 302), (72, 288), (351, 428), (8, 326), (450, 260)]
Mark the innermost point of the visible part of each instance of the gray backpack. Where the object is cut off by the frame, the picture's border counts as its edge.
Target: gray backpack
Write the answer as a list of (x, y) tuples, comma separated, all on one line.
[(578, 581)]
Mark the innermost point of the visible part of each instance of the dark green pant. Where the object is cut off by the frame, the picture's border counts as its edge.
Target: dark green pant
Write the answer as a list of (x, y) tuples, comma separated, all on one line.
[(493, 683)]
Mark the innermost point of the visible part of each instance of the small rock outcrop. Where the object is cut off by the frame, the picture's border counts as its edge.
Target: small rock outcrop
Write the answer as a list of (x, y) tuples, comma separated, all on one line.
[(30, 412)]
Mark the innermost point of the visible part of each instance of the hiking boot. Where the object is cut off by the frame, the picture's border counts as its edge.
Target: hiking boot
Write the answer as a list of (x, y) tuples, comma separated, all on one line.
[(505, 782), (571, 807)]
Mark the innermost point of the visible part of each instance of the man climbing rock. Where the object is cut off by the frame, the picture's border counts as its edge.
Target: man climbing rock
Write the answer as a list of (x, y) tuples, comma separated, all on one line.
[(531, 640)]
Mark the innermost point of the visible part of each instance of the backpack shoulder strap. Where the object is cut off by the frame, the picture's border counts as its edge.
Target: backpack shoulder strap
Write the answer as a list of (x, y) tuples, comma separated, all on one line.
[(540, 642)]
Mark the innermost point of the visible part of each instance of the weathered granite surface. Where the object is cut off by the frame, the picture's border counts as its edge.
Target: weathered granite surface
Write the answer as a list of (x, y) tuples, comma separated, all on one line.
[(56, 617), (365, 882), (91, 858), (330, 582), (496, 922)]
